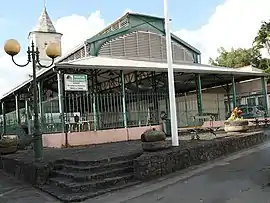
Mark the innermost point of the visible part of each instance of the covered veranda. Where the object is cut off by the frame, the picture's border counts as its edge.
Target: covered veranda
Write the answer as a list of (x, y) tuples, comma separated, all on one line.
[(124, 98)]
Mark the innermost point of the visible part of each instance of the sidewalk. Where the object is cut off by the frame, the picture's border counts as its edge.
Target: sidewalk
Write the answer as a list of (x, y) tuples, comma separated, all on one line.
[(14, 191)]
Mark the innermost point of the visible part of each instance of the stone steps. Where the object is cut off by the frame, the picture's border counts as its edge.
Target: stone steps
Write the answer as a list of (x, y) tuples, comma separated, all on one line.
[(94, 169), (86, 176), (74, 186), (88, 163), (64, 196), (77, 180)]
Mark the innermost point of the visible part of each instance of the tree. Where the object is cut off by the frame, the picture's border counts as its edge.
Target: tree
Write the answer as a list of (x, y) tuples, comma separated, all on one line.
[(262, 40), (236, 58)]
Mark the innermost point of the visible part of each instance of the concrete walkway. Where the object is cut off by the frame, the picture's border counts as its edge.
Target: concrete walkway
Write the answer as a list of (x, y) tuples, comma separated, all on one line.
[(240, 178)]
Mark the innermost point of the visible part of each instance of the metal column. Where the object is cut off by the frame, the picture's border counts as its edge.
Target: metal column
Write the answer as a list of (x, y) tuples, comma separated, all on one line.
[(233, 92), (123, 98), (265, 96), (94, 98), (138, 99), (17, 101), (61, 98), (29, 124), (199, 94), (155, 97), (40, 100), (4, 119)]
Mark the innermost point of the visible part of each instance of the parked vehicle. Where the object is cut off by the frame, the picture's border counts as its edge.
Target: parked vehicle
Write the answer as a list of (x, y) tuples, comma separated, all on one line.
[(252, 111)]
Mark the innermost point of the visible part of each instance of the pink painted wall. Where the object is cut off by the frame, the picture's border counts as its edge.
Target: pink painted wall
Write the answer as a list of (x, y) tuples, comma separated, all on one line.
[(98, 137)]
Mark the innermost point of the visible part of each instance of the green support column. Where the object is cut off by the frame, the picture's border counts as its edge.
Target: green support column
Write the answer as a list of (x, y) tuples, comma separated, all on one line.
[(27, 116), (4, 130), (17, 102), (123, 98), (155, 96), (233, 92), (40, 100), (94, 98), (61, 99), (138, 99), (264, 92), (166, 89), (228, 98), (199, 94)]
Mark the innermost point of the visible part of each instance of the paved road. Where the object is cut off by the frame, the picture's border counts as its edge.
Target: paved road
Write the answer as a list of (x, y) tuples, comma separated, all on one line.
[(241, 178), (13, 191)]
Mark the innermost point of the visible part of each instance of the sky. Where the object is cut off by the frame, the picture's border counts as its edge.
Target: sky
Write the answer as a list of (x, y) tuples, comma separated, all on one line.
[(205, 24)]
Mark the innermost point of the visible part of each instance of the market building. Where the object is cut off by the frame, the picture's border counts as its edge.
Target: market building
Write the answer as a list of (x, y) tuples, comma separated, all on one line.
[(115, 85)]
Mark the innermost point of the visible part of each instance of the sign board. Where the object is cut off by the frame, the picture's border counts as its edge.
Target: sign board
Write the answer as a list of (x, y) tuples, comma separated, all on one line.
[(76, 82)]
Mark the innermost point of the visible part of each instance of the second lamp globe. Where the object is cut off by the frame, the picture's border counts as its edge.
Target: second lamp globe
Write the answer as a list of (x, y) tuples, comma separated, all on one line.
[(53, 50)]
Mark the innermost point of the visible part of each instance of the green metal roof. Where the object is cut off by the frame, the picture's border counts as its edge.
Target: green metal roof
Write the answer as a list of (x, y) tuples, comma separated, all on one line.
[(99, 36)]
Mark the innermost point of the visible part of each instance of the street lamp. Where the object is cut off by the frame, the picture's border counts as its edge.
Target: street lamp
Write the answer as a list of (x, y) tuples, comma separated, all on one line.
[(12, 48)]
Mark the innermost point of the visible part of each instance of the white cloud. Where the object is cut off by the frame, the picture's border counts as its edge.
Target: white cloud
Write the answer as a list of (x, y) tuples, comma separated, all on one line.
[(75, 30), (12, 75), (233, 24)]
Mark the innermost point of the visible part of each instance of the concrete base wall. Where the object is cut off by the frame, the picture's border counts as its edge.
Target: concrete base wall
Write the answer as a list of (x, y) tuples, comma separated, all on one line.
[(58, 140)]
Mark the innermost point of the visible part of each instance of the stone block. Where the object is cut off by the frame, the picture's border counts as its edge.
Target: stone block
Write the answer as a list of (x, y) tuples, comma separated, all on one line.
[(155, 164)]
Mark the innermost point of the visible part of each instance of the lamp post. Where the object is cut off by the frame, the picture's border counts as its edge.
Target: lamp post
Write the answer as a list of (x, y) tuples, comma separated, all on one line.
[(174, 129), (12, 48)]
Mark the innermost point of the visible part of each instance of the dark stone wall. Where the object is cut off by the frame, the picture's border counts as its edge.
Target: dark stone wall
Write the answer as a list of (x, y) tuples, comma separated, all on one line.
[(28, 171), (151, 165)]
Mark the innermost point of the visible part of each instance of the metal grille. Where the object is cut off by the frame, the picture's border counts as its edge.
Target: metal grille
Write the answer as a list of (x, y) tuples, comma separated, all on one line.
[(115, 26), (143, 45), (76, 55)]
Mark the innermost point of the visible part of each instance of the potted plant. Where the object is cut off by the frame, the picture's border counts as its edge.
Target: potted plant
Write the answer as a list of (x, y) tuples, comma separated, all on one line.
[(153, 140), (8, 145), (236, 123)]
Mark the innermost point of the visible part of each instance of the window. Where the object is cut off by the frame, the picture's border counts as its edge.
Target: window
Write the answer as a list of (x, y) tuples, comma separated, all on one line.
[(251, 101), (260, 101)]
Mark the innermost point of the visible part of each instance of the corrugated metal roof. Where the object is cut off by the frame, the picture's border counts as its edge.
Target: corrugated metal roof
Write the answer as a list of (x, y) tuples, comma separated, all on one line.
[(117, 63)]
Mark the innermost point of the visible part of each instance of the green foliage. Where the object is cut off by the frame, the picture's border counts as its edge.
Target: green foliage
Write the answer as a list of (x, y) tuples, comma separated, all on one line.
[(262, 38), (241, 57), (233, 118), (236, 58)]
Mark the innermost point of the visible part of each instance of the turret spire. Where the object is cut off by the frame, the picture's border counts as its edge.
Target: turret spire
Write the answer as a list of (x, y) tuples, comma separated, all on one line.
[(44, 23)]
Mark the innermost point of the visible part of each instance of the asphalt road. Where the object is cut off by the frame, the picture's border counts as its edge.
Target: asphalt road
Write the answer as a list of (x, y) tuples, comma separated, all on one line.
[(240, 178)]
